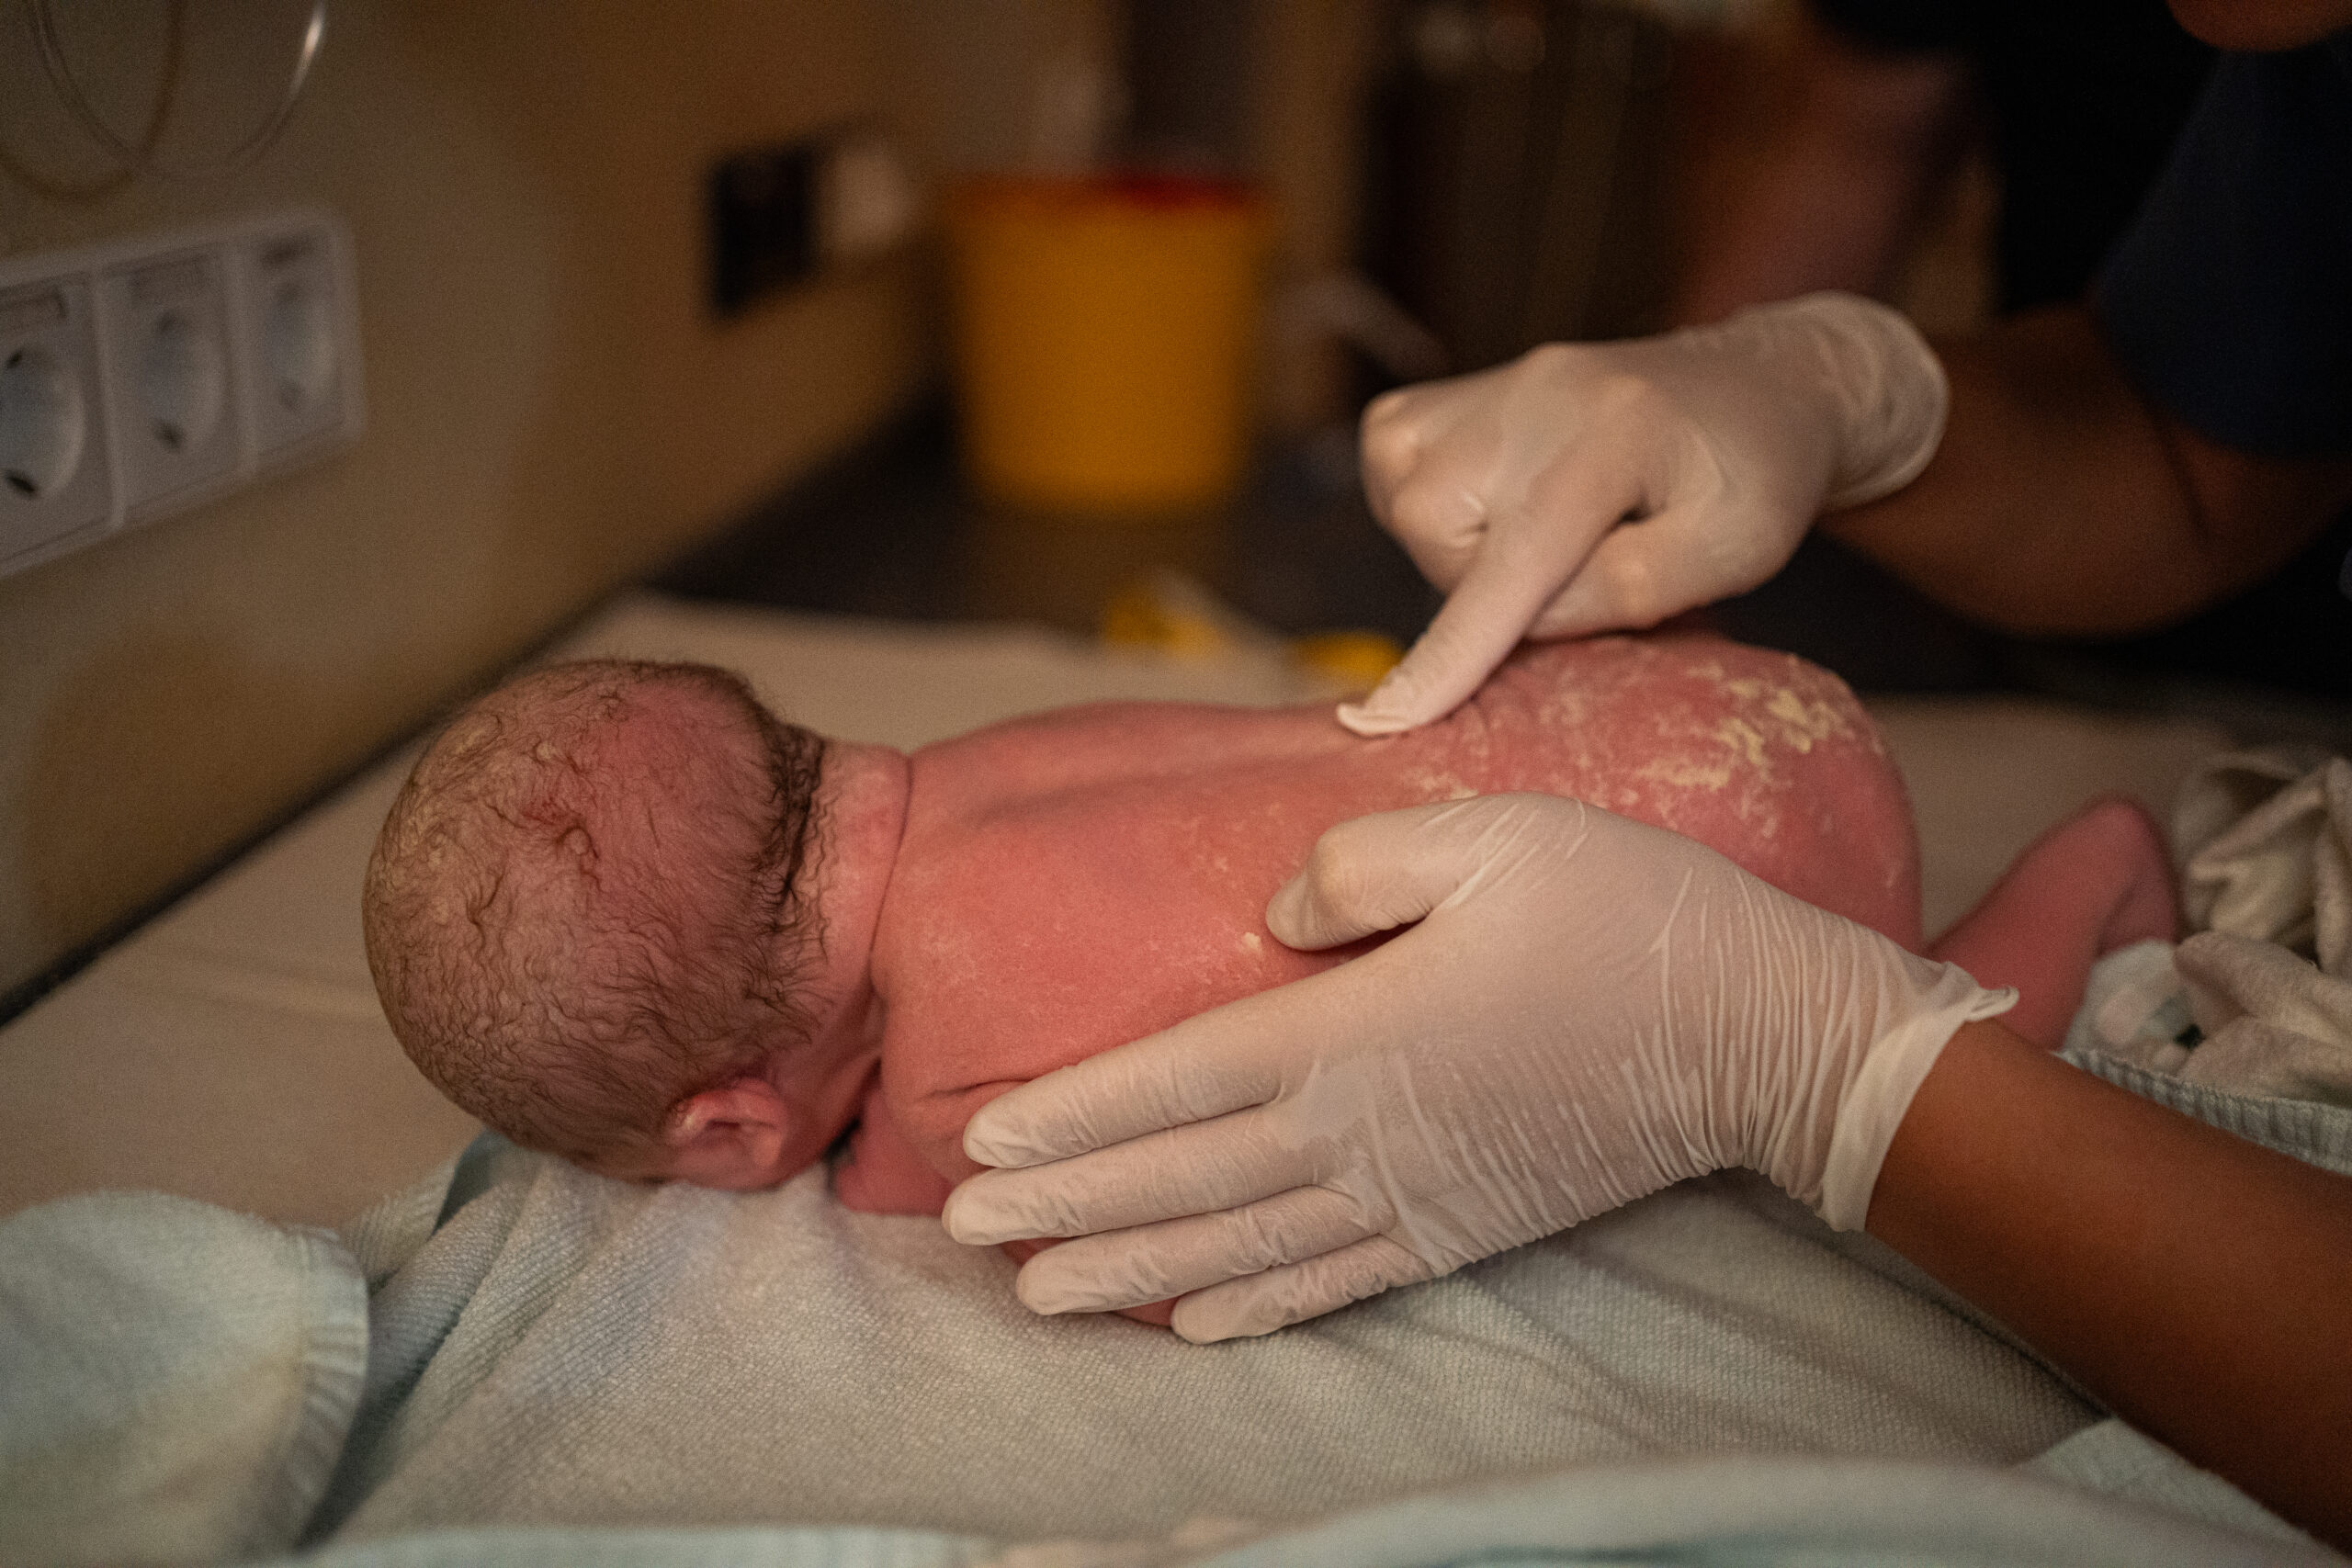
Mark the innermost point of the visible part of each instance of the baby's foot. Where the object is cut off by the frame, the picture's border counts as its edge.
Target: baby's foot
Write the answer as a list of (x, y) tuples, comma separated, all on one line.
[(2116, 831), (2095, 883)]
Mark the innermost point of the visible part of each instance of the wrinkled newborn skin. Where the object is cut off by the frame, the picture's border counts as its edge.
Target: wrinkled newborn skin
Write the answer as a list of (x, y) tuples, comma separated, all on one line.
[(1075, 880)]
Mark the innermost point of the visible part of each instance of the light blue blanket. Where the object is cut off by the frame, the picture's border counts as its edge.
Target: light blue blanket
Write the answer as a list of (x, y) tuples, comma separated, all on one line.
[(176, 1380), (1749, 1512)]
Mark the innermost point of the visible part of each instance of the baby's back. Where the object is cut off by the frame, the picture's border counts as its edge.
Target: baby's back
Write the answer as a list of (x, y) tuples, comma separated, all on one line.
[(1074, 880)]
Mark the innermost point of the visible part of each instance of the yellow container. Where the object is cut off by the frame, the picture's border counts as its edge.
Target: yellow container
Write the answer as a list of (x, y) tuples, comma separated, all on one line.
[(1104, 338)]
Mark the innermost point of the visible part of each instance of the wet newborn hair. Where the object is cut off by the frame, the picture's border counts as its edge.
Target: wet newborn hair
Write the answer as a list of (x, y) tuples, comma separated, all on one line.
[(586, 904)]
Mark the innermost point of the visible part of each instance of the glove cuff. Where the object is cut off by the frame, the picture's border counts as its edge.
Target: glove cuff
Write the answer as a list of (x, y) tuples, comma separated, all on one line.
[(1885, 383), (1880, 1095)]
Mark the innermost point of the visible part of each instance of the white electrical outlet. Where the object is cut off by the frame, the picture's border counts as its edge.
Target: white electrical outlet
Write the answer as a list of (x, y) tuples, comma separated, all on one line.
[(301, 351), (139, 378), (56, 478), (175, 415)]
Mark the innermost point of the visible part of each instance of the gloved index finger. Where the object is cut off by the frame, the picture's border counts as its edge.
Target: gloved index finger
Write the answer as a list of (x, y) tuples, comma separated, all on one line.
[(1506, 587), (1474, 631), (1523, 562)]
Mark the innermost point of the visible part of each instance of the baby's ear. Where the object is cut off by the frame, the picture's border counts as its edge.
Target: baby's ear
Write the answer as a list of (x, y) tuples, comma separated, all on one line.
[(731, 1137)]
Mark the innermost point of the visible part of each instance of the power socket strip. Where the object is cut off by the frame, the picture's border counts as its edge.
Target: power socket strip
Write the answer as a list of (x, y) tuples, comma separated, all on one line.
[(139, 378)]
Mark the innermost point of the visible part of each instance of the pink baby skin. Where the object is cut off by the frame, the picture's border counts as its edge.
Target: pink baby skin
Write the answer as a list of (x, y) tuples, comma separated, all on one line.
[(1078, 879), (1017, 899)]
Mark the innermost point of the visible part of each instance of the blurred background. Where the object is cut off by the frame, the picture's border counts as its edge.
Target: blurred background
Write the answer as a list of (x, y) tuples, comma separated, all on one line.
[(1443, 183), (859, 306)]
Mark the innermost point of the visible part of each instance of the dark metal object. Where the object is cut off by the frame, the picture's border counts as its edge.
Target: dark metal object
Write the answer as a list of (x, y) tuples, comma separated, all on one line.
[(763, 208), (140, 156)]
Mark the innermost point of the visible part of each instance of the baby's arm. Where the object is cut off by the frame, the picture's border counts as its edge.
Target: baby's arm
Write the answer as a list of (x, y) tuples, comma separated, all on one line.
[(2096, 882), (880, 1173)]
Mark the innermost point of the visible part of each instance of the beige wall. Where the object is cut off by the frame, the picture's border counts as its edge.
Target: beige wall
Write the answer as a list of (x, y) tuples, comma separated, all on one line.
[(1315, 60), (551, 412)]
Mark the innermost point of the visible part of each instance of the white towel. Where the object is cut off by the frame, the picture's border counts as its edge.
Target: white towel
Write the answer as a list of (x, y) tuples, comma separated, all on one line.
[(2266, 842), (2259, 1001)]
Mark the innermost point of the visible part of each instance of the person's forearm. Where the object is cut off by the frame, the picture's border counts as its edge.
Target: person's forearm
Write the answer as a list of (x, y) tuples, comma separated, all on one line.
[(2199, 1284), (2060, 503), (1838, 185)]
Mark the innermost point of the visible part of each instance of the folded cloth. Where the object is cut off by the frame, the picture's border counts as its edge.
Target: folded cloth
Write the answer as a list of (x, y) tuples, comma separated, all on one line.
[(2259, 1001), (176, 1380), (2266, 845), (2245, 1017), (2272, 1024), (2117, 1460)]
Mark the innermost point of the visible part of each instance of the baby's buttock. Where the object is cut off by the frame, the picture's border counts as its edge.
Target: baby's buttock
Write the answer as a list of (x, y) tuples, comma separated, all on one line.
[(1760, 755), (1071, 882)]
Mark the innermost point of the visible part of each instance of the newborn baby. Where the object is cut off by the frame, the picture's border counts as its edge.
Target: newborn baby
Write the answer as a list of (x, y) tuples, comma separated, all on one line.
[(623, 913)]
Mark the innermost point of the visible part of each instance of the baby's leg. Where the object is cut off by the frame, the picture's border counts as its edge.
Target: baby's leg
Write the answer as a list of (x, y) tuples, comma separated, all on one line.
[(2096, 882)]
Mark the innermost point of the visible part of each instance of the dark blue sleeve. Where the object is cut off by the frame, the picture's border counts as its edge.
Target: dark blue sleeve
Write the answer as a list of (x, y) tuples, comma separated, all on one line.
[(1903, 26), (2229, 301)]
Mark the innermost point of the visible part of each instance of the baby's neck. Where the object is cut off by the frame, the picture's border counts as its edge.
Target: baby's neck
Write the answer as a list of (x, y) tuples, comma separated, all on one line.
[(861, 814), (861, 817)]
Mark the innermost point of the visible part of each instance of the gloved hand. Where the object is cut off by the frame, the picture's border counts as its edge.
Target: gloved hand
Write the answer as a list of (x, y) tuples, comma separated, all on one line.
[(1588, 1009), (1724, 442)]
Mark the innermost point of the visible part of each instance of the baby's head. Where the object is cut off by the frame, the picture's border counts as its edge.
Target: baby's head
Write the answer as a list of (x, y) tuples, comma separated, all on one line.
[(599, 919)]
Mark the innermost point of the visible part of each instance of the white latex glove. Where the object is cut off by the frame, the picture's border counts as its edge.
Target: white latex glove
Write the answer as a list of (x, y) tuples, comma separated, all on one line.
[(1588, 1011), (1724, 442)]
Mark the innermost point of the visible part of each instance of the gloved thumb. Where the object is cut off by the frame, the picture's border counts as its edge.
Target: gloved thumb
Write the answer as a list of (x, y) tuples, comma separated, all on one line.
[(1380, 873)]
